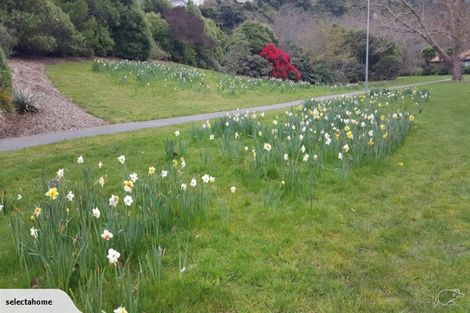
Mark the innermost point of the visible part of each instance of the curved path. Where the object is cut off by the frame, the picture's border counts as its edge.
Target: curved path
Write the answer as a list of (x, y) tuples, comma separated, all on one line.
[(56, 112), (9, 144)]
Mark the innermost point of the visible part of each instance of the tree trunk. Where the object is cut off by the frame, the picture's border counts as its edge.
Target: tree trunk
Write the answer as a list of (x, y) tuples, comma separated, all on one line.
[(456, 68)]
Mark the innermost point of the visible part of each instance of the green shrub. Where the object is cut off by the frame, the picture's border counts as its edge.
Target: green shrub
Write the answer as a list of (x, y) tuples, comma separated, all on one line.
[(257, 34), (159, 6), (24, 102), (5, 75), (5, 84), (253, 66), (323, 74), (5, 100), (7, 39), (386, 68), (156, 53), (383, 55), (100, 41), (43, 28), (160, 31), (353, 71), (132, 37)]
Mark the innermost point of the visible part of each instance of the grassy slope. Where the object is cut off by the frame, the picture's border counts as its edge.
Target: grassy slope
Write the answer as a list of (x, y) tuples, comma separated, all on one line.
[(102, 96), (387, 241)]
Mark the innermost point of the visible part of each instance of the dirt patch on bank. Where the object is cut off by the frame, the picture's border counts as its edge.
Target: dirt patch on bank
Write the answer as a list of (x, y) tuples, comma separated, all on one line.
[(56, 112)]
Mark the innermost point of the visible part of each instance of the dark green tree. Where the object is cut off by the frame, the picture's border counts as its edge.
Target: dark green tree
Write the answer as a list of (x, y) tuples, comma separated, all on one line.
[(132, 37), (43, 28), (379, 48), (257, 35)]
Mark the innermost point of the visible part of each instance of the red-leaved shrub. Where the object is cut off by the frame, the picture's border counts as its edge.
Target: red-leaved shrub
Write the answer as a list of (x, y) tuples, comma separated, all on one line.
[(282, 66)]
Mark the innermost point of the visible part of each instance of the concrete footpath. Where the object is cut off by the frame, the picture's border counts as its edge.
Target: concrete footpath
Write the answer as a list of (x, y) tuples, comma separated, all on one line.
[(17, 143)]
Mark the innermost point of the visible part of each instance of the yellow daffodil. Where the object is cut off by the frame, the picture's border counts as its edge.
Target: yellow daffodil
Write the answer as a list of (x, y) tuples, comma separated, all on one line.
[(37, 211), (52, 193), (128, 185)]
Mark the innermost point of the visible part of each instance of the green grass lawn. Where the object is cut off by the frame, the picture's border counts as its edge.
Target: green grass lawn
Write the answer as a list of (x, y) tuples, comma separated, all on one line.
[(387, 240), (105, 95)]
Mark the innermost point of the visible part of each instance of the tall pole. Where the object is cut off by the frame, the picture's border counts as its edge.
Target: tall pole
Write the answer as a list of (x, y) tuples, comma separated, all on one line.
[(367, 47)]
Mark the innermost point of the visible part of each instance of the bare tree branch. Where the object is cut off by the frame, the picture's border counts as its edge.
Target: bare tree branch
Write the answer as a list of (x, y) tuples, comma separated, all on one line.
[(431, 21)]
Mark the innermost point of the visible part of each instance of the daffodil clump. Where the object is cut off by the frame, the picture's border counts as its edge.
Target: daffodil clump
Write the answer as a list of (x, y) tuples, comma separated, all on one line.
[(91, 231), (344, 132), (186, 77)]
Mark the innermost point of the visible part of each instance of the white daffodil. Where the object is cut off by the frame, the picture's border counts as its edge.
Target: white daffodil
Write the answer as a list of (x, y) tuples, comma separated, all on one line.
[(205, 178), (107, 235), (19, 197), (96, 212), (70, 196), (128, 200), (60, 173), (193, 183), (133, 177), (306, 156), (211, 137), (345, 148), (100, 164), (34, 232), (120, 309), (340, 156), (286, 157), (80, 160), (113, 201), (302, 149), (113, 256), (267, 147), (101, 181), (122, 159), (177, 133), (152, 170), (164, 173), (233, 189), (184, 186)]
